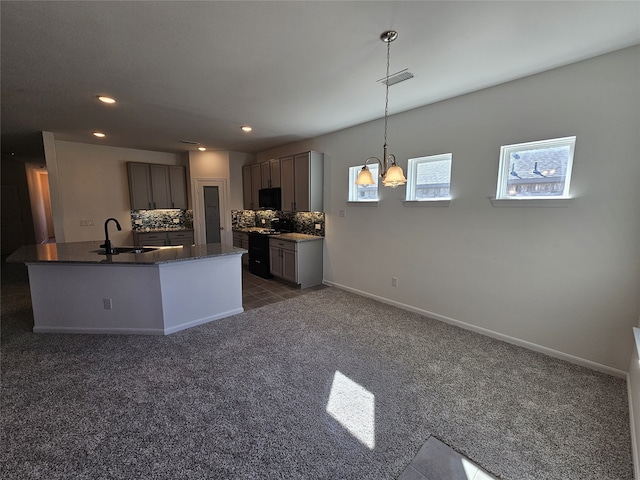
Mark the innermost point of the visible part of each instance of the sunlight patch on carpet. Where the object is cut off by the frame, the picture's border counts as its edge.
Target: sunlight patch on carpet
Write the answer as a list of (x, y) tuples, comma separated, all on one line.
[(353, 407)]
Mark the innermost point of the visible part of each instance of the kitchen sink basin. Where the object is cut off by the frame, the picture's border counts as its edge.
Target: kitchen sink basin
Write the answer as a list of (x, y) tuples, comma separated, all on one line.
[(129, 250)]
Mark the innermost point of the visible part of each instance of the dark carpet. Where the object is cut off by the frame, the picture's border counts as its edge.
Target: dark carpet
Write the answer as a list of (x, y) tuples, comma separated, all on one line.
[(246, 398)]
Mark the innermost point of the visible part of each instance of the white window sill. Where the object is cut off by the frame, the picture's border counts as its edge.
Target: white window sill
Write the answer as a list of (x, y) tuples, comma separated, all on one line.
[(436, 202), (531, 202), (363, 204)]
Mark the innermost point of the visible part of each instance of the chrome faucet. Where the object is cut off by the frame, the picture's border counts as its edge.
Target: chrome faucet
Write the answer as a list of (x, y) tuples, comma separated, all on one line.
[(108, 249)]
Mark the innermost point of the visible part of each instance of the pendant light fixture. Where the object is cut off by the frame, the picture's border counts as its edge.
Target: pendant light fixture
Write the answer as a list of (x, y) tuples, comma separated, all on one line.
[(392, 175)]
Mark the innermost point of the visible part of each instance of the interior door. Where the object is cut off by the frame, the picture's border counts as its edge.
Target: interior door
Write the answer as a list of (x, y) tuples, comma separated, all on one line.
[(212, 214)]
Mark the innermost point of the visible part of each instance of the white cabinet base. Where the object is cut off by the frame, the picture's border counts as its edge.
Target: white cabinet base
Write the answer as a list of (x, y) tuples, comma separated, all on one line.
[(143, 299)]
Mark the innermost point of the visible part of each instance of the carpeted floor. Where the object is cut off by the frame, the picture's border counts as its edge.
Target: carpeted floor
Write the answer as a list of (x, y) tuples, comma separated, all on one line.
[(246, 398)]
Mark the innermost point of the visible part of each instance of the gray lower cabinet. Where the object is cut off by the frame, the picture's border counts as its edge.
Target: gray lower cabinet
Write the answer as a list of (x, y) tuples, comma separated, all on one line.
[(241, 240), (299, 263), (163, 239), (180, 238)]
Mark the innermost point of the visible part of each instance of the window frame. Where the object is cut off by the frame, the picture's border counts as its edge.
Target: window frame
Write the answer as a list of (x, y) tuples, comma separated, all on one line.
[(412, 178), (504, 169), (353, 188)]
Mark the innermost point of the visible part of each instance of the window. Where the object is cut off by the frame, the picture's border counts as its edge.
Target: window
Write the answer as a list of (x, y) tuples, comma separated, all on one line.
[(429, 178), (536, 170), (363, 193)]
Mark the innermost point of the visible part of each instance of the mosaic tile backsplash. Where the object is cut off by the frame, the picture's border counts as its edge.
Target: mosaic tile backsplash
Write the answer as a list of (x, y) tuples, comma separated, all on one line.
[(303, 222), (143, 220)]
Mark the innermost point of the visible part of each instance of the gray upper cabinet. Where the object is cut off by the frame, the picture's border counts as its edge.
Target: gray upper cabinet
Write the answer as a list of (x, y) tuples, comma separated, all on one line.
[(270, 173), (160, 188), (256, 185), (139, 186), (247, 200), (302, 182), (178, 182), (251, 184), (299, 176), (157, 186)]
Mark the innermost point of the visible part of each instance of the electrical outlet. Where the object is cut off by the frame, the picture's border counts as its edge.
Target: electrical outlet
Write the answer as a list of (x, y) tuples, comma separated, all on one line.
[(394, 281), (108, 304), (318, 226), (343, 213)]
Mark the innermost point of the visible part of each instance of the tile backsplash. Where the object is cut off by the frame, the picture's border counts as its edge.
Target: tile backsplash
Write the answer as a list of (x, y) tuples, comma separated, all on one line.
[(303, 222), (142, 220)]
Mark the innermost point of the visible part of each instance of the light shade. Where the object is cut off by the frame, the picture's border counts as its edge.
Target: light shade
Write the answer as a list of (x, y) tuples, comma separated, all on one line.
[(365, 177), (394, 176)]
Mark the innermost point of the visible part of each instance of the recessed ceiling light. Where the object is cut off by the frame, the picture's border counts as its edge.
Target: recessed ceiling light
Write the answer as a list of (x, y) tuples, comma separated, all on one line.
[(104, 99), (246, 128), (202, 149), (99, 134)]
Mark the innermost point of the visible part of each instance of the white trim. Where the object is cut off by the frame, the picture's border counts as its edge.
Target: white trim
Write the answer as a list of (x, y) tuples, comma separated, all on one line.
[(632, 422), (412, 173), (435, 202), (505, 158), (373, 203), (111, 331), (490, 333), (531, 202), (202, 321)]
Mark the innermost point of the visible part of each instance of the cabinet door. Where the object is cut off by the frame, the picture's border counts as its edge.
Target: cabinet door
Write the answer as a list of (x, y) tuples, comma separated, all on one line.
[(265, 175), (161, 191), (151, 239), (287, 184), (246, 187), (275, 261), (289, 271), (180, 238), (256, 185), (301, 176), (274, 169), (139, 186), (178, 181)]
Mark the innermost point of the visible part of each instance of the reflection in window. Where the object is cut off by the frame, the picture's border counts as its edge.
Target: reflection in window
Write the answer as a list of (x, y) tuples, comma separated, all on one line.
[(353, 407), (536, 169)]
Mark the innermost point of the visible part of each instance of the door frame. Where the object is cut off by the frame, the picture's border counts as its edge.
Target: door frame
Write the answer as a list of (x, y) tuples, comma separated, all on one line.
[(199, 227)]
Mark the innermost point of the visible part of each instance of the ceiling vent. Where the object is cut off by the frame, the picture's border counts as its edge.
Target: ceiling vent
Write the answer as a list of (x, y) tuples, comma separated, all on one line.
[(398, 77), (189, 142)]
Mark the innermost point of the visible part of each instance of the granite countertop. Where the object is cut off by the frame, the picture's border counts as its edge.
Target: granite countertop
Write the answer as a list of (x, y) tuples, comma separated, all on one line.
[(290, 237), (87, 253), (163, 229)]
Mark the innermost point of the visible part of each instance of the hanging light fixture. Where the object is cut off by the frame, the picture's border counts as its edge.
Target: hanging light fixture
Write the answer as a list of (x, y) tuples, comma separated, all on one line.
[(391, 175)]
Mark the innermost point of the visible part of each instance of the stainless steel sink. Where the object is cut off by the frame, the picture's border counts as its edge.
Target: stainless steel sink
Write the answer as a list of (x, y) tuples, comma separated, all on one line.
[(129, 250)]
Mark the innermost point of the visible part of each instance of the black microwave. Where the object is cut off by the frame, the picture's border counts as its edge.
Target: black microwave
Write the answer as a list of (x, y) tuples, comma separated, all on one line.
[(269, 198)]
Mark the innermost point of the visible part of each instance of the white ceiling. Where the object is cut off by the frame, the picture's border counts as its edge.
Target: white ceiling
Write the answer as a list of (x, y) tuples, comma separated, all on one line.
[(199, 70)]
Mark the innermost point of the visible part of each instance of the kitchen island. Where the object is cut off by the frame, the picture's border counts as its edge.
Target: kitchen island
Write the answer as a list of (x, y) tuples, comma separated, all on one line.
[(77, 289)]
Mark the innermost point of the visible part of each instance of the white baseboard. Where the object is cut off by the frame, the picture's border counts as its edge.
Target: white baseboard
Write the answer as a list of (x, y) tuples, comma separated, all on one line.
[(634, 439), (110, 331), (490, 333), (202, 321)]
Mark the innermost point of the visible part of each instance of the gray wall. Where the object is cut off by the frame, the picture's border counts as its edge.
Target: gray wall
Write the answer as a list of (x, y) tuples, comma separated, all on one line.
[(563, 279)]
